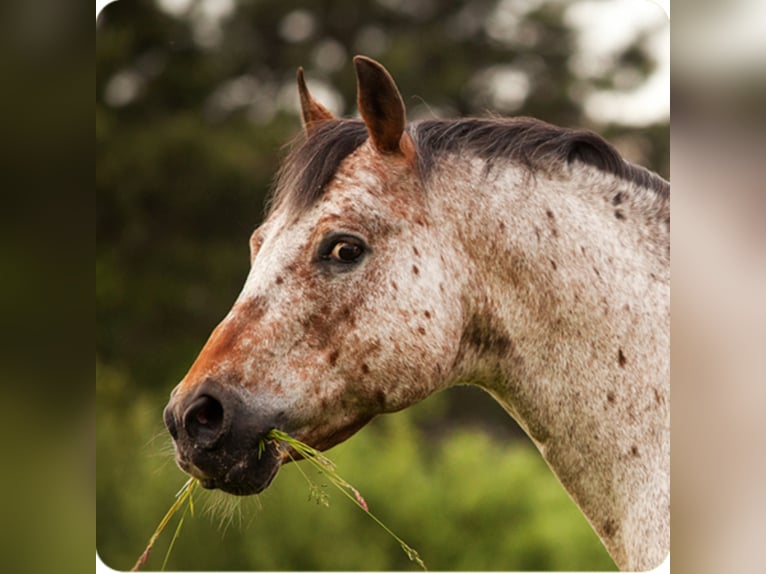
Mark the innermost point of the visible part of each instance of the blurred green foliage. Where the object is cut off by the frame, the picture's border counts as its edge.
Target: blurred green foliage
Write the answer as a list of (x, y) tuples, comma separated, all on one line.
[(192, 113)]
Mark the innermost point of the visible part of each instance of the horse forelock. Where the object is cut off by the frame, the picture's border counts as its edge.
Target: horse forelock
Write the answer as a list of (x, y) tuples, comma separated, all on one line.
[(314, 160)]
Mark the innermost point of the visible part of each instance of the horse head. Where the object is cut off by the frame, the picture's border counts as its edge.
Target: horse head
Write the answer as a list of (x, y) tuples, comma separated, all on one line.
[(350, 308)]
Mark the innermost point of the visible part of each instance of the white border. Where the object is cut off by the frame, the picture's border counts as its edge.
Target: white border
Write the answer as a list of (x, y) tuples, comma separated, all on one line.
[(100, 5)]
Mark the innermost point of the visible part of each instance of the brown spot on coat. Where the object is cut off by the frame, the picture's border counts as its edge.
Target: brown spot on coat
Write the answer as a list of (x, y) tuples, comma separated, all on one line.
[(610, 397), (324, 326), (634, 450), (621, 358), (552, 222), (619, 214), (415, 270), (610, 528), (485, 336)]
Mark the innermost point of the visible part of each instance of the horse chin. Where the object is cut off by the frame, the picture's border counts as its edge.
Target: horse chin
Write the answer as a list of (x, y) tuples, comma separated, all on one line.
[(244, 485), (243, 474)]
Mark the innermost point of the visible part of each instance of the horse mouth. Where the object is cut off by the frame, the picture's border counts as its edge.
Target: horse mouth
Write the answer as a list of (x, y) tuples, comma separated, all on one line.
[(240, 472), (250, 464)]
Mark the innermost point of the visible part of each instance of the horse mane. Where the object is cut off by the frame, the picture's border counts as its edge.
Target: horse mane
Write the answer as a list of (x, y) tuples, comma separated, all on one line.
[(313, 161), (531, 142)]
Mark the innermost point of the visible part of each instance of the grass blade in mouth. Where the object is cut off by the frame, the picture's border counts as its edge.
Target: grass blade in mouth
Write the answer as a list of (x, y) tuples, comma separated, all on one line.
[(183, 496), (318, 460), (327, 468)]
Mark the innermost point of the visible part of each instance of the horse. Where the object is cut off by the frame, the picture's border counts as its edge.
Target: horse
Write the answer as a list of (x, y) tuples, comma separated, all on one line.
[(397, 259)]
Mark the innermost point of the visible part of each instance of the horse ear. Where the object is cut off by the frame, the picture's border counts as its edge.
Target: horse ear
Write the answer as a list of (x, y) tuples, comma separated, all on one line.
[(380, 105), (312, 112)]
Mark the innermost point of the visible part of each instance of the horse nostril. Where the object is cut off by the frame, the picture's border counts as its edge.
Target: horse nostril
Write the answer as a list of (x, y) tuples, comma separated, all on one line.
[(170, 422), (203, 420)]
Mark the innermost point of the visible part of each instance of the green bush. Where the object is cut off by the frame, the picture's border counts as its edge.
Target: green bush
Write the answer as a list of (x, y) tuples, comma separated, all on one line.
[(464, 501)]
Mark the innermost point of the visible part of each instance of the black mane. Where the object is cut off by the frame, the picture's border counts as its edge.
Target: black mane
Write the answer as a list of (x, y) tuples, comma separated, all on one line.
[(535, 144), (528, 141)]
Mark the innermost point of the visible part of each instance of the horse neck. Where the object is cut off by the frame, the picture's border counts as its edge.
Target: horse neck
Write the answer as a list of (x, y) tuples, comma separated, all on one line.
[(566, 302)]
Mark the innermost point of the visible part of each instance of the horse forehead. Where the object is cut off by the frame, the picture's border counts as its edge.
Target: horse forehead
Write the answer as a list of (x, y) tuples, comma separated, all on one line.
[(371, 184), (362, 170)]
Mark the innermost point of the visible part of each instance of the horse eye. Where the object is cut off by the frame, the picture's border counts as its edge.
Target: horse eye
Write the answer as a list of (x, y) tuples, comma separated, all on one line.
[(345, 251), (342, 250)]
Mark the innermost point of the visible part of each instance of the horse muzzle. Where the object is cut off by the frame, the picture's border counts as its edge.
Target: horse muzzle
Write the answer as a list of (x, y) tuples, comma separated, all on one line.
[(220, 441)]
